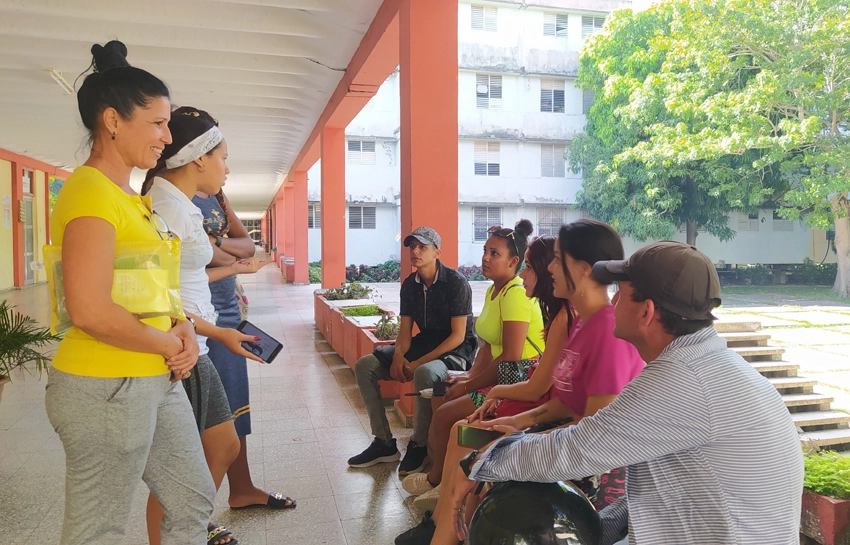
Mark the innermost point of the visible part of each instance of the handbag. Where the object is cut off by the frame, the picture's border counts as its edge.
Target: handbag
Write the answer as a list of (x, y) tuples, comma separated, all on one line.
[(511, 372), (146, 281)]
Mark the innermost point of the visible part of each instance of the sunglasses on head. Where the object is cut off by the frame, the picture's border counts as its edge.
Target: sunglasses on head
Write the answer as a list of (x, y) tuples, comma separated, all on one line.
[(504, 232)]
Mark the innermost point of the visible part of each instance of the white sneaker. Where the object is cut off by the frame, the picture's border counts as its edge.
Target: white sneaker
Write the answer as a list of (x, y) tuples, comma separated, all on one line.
[(428, 500), (417, 484)]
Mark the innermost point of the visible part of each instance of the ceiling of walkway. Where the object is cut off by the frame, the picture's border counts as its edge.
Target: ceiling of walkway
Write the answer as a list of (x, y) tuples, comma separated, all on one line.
[(264, 68)]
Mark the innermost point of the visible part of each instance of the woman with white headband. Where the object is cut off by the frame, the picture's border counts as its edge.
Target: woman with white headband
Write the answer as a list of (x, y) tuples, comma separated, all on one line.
[(195, 161)]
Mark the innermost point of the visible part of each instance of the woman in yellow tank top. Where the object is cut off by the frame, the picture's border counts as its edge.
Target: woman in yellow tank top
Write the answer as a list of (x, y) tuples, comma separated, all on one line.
[(114, 395)]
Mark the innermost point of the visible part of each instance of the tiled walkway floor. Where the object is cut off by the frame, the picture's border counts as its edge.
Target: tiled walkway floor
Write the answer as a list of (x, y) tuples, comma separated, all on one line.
[(308, 419)]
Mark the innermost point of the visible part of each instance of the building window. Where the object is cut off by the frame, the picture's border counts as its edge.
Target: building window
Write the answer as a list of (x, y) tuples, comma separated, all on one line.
[(585, 214), (484, 217), (488, 91), (590, 25), (587, 100), (361, 217), (552, 164), (314, 216), (748, 222), (552, 95), (487, 158), (361, 153), (555, 24), (484, 18), (782, 224), (549, 220)]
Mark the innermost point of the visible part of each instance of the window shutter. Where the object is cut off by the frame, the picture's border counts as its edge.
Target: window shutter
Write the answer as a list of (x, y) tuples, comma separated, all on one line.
[(589, 25), (368, 217), (490, 19), (354, 152), (477, 17), (561, 21), (368, 156), (546, 167), (781, 224), (482, 91), (493, 159), (549, 220), (558, 96), (558, 160), (355, 217), (495, 92), (550, 24), (481, 158), (317, 216), (587, 100), (546, 95)]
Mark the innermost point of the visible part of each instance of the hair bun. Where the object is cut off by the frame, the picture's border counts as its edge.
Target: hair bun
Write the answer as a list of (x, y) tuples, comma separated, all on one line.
[(524, 227), (111, 55)]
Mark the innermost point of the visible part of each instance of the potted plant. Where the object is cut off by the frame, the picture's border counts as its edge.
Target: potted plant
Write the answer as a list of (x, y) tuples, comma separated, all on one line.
[(826, 498), (20, 337)]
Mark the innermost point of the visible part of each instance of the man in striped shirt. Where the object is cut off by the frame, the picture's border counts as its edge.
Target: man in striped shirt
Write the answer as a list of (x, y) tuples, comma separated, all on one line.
[(713, 456)]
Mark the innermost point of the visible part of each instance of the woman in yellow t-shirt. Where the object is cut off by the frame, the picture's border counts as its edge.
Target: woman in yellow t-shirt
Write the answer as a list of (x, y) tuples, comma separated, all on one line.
[(114, 394), (510, 333)]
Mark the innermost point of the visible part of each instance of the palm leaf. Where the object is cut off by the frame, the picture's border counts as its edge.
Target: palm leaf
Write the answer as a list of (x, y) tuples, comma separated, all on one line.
[(20, 336)]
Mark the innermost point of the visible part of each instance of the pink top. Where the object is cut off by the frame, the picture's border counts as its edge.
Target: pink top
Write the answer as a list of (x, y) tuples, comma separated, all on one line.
[(594, 362)]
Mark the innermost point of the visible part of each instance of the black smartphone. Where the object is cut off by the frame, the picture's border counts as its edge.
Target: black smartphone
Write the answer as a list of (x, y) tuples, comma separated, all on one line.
[(475, 438), (267, 348), (440, 388)]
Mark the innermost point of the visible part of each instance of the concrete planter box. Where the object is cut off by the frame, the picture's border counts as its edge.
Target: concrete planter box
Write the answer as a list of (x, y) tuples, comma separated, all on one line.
[(322, 310), (825, 519), (389, 388), (352, 338)]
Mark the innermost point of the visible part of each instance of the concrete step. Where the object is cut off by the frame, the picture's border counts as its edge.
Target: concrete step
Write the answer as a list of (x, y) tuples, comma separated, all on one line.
[(799, 401), (732, 326), (785, 383), (746, 338), (828, 438), (752, 353), (820, 418), (782, 367)]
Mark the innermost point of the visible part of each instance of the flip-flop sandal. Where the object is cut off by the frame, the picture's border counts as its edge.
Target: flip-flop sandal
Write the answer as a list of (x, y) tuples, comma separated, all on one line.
[(215, 533), (276, 501)]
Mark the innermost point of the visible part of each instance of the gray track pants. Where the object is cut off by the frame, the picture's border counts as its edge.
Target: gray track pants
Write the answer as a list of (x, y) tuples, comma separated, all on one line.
[(116, 433)]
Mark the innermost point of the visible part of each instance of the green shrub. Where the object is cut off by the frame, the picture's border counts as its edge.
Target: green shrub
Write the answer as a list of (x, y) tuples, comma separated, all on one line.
[(387, 328), (828, 474), (757, 275), (809, 272), (314, 273), (348, 291), (365, 310)]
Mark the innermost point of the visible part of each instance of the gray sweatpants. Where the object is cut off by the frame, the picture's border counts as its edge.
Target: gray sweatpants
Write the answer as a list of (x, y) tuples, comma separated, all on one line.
[(117, 432), (368, 370)]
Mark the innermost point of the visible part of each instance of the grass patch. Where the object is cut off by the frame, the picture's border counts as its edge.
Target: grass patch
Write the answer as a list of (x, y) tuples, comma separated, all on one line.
[(366, 310), (823, 293)]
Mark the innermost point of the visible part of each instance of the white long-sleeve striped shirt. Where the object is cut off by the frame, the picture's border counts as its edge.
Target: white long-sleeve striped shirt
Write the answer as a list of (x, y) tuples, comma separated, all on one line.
[(712, 453)]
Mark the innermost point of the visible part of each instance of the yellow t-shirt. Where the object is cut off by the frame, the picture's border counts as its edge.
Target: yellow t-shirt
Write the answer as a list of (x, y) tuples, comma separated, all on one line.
[(515, 307), (88, 193)]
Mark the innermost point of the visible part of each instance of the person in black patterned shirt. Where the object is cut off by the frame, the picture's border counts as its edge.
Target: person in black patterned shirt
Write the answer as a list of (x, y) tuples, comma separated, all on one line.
[(438, 300)]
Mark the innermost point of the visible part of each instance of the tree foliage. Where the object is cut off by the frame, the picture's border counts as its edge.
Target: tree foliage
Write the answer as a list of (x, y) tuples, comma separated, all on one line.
[(711, 106)]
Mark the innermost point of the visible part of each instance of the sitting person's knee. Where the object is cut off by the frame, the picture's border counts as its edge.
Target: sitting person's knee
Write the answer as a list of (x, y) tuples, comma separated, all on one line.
[(365, 365)]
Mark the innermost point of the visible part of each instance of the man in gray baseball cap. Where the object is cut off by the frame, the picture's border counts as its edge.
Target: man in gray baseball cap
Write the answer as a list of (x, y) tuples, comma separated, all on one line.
[(423, 234), (704, 436)]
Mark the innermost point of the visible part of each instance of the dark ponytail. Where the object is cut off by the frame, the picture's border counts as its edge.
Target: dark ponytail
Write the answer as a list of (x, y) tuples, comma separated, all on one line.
[(115, 84), (590, 241), (541, 251)]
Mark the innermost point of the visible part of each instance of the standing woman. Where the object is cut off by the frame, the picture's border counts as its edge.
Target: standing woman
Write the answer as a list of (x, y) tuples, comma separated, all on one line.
[(114, 394), (231, 243), (196, 160)]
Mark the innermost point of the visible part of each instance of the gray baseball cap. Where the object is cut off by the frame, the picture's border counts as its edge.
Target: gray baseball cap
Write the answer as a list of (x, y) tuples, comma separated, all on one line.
[(423, 234)]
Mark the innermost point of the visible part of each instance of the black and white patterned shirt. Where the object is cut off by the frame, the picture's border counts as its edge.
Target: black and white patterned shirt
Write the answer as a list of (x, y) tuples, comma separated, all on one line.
[(712, 453)]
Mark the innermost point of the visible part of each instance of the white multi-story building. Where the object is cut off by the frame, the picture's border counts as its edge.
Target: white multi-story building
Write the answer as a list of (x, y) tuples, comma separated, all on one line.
[(518, 110)]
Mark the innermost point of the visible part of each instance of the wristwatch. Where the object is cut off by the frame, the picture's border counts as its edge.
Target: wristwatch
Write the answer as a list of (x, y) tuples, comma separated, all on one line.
[(468, 461), (218, 240)]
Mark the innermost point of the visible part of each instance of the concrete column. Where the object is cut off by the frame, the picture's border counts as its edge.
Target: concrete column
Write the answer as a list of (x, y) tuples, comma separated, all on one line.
[(428, 92), (300, 240), (333, 205)]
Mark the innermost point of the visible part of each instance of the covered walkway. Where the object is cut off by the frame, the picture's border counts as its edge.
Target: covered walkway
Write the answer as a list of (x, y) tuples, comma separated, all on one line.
[(308, 419)]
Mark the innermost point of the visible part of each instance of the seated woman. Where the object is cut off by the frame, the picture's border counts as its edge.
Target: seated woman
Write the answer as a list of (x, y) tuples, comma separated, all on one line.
[(510, 329), (588, 375)]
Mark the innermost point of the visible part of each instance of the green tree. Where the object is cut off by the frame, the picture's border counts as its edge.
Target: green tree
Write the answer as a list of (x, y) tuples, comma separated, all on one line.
[(762, 90), (642, 193)]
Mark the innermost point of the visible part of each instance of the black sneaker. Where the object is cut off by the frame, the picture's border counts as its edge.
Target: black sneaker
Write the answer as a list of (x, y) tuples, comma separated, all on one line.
[(421, 534), (414, 460), (377, 453)]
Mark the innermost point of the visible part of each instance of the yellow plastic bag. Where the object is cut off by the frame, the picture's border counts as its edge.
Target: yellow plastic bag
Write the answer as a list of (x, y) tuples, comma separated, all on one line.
[(146, 281)]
